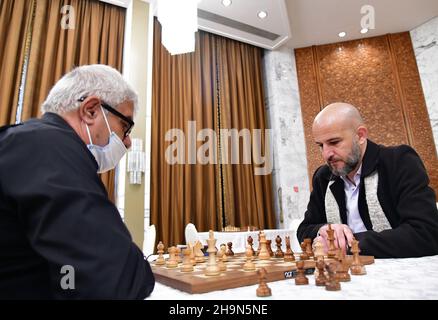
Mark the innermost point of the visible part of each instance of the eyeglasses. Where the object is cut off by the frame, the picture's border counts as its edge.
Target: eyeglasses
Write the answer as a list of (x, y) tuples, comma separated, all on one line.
[(130, 123)]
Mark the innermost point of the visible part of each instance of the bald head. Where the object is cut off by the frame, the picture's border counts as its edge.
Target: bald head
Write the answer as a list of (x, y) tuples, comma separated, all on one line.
[(339, 114), (340, 133)]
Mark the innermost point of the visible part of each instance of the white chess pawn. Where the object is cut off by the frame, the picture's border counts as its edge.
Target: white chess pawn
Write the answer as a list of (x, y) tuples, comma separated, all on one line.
[(249, 265)]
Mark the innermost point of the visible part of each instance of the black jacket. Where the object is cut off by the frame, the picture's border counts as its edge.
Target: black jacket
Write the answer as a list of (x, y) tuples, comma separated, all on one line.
[(404, 195), (55, 212)]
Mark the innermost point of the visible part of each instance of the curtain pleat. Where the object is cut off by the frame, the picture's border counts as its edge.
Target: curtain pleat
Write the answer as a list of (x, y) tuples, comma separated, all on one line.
[(248, 197), (16, 17), (182, 92), (219, 86)]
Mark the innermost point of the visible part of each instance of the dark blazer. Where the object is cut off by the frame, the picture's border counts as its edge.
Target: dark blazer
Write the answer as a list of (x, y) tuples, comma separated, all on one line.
[(55, 212), (404, 195)]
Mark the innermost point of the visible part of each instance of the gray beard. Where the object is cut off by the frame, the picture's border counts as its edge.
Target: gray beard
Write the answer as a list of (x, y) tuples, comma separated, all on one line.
[(350, 164)]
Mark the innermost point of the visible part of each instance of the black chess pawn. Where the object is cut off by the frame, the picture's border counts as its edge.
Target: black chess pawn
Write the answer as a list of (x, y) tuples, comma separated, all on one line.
[(303, 255), (263, 290), (309, 250), (289, 255), (269, 247), (332, 284), (320, 279), (343, 267), (259, 248), (301, 278), (278, 253), (250, 242), (229, 251)]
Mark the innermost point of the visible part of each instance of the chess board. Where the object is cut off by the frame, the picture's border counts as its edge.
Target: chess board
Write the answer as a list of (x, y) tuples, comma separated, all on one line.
[(234, 277)]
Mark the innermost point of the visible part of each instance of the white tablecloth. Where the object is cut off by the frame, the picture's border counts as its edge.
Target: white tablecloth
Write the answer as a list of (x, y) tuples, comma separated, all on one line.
[(413, 278), (239, 239)]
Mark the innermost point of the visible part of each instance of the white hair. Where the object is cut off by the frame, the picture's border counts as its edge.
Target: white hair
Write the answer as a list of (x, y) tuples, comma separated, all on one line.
[(98, 80)]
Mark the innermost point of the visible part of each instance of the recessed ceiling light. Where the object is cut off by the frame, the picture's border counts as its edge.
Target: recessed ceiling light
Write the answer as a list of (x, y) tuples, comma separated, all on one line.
[(262, 14), (342, 34), (226, 3), (364, 30)]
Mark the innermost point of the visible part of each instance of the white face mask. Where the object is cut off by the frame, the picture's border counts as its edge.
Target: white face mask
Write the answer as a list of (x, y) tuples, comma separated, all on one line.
[(108, 156)]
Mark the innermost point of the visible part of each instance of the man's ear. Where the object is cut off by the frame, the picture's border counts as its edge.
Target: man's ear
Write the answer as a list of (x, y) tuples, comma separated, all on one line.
[(88, 110), (362, 133)]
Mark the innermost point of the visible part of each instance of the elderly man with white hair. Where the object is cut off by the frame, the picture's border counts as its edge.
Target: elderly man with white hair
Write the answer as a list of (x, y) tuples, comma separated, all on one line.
[(60, 235)]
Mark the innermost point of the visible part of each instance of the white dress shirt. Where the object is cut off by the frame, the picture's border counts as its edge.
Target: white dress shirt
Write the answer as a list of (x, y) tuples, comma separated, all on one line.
[(354, 220)]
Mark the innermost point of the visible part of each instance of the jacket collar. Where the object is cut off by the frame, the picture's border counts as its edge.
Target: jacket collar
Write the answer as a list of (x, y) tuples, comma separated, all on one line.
[(370, 158), (55, 119), (58, 121)]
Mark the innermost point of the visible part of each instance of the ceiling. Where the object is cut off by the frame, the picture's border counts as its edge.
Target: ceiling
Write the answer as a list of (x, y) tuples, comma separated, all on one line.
[(316, 22), (242, 22), (302, 23)]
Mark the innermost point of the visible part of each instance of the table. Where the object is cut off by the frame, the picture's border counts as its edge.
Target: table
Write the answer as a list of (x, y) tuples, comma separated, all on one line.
[(239, 239), (401, 279)]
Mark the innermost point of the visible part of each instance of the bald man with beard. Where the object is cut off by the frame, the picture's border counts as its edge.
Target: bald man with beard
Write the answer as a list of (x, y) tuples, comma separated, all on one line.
[(376, 194)]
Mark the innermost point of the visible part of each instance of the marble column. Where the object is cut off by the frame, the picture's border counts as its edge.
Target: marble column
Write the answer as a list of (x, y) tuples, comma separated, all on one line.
[(425, 42), (288, 145)]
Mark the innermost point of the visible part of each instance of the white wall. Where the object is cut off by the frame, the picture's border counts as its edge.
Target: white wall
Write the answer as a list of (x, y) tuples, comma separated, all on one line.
[(425, 42), (284, 118)]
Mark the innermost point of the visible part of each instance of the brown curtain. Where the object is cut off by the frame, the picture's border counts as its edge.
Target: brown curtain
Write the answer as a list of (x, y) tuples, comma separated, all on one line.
[(97, 37), (183, 90), (247, 197), (16, 18), (186, 88)]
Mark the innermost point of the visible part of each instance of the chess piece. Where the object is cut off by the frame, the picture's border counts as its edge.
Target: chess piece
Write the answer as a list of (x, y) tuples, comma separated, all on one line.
[(230, 250), (250, 242), (197, 251), (192, 254), (263, 290), (187, 265), (212, 267), (260, 245), (319, 250), (303, 255), (320, 278), (220, 260), (160, 249), (289, 255), (249, 265), (331, 239), (301, 278), (309, 250), (172, 262), (332, 283), (224, 250), (278, 253), (264, 253), (342, 271), (269, 247), (357, 268), (178, 255)]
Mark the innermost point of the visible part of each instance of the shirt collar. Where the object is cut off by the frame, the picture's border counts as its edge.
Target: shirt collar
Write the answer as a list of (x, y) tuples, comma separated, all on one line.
[(356, 177)]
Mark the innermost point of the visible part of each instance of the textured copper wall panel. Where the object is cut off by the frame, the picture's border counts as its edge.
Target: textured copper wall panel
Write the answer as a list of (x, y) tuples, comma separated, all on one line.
[(310, 103), (414, 103), (380, 77)]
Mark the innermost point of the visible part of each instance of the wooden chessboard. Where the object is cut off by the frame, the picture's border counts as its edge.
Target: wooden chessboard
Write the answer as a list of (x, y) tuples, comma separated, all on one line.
[(234, 277)]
